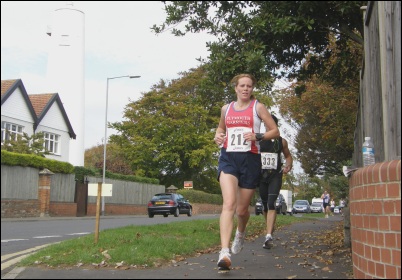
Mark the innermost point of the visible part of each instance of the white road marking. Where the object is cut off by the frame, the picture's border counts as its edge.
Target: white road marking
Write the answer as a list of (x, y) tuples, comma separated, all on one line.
[(18, 256), (10, 240), (48, 236)]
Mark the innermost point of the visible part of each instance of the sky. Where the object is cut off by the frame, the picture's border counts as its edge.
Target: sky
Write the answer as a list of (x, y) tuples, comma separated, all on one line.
[(118, 42)]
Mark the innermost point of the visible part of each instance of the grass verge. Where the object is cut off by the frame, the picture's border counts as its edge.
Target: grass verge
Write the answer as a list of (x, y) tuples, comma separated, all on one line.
[(145, 246)]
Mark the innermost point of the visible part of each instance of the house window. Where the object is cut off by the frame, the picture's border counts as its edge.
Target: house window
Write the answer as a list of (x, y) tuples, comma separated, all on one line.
[(52, 143), (10, 131)]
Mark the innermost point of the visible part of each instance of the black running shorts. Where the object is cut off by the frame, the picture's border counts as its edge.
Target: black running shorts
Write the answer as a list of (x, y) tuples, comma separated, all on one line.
[(245, 166)]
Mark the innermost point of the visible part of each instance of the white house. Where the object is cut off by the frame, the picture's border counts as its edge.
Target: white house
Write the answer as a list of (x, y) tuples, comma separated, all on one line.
[(35, 113)]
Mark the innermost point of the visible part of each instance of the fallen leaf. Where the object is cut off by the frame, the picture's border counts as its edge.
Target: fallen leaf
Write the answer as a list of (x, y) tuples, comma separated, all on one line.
[(107, 256), (326, 269), (279, 266), (119, 264)]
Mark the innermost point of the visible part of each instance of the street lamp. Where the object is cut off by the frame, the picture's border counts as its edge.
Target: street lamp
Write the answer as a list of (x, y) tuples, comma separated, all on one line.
[(104, 146)]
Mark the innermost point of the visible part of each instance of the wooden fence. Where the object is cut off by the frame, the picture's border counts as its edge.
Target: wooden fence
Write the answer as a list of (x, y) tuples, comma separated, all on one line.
[(375, 190), (21, 193), (379, 114)]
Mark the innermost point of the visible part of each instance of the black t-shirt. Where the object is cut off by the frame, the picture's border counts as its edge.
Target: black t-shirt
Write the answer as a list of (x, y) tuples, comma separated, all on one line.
[(273, 146)]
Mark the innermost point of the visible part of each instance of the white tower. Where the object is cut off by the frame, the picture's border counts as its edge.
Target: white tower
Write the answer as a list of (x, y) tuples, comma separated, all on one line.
[(65, 72)]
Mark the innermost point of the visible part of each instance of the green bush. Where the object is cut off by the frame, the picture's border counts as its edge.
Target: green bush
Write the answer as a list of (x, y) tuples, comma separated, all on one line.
[(30, 160), (132, 178), (201, 197), (55, 166), (82, 172)]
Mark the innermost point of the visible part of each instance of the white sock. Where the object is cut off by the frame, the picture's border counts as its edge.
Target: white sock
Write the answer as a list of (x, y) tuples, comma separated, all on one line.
[(268, 235)]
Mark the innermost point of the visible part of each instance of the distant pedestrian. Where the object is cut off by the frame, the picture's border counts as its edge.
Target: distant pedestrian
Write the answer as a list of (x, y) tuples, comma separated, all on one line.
[(342, 204), (325, 203), (332, 205)]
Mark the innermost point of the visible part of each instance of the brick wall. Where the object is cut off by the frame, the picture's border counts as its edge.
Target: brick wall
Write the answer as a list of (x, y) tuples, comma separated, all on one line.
[(30, 208), (128, 209), (20, 208), (375, 218), (118, 209), (63, 209)]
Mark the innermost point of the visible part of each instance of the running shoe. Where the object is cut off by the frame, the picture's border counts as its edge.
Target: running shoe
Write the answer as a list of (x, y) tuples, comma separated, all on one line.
[(238, 242), (224, 259), (269, 243)]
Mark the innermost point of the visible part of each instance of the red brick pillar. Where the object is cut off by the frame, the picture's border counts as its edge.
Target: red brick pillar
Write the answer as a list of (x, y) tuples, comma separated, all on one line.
[(375, 221), (44, 192)]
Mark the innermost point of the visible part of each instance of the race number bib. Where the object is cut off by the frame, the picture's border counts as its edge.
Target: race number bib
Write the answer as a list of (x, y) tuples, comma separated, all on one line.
[(236, 142), (269, 160)]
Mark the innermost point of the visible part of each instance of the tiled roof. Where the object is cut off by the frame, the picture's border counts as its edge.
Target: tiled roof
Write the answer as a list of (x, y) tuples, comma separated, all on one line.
[(39, 101), (5, 85), (38, 104)]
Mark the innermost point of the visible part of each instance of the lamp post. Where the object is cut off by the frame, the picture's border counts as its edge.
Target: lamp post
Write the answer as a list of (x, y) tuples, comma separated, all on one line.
[(104, 146)]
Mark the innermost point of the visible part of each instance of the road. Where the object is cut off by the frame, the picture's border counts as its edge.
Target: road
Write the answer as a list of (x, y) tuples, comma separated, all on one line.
[(20, 237)]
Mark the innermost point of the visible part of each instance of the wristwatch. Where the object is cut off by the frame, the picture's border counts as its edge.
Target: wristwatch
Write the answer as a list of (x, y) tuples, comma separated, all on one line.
[(259, 136)]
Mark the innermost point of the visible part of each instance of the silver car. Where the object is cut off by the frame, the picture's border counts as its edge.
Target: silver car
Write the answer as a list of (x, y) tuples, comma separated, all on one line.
[(301, 206), (316, 207)]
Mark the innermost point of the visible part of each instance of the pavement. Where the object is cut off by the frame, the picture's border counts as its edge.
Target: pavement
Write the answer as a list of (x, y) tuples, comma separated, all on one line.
[(298, 253)]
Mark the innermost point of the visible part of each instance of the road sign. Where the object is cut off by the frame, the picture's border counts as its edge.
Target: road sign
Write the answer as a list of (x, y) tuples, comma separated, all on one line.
[(106, 189)]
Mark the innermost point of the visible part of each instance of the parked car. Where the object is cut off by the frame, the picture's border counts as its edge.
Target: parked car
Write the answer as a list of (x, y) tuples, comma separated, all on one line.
[(258, 207), (337, 210), (316, 207), (301, 206), (169, 204), (281, 206)]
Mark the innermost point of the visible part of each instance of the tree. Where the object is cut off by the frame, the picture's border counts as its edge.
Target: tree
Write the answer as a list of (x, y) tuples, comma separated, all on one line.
[(316, 44), (93, 157), (309, 187), (338, 187), (261, 37), (116, 161), (25, 144), (167, 134), (323, 110), (289, 181)]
